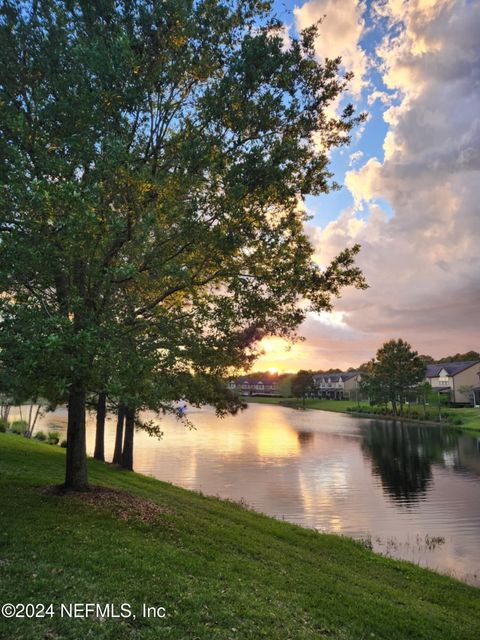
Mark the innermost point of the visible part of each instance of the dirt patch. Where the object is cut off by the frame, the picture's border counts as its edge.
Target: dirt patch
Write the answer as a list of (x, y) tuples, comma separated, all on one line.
[(121, 504)]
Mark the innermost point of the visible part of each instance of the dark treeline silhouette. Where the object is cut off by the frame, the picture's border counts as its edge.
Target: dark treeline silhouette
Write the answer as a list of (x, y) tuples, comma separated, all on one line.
[(402, 456)]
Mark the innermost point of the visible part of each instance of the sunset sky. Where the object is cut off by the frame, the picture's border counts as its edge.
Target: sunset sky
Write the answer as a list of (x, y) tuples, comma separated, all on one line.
[(411, 176)]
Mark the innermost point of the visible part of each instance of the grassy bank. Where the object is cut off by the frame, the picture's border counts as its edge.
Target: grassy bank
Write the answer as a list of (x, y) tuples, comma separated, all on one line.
[(470, 416), (219, 570)]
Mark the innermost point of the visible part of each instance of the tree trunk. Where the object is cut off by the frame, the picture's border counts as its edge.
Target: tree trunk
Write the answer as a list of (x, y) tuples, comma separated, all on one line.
[(117, 452), (36, 417), (127, 455), (99, 453), (76, 469), (28, 432)]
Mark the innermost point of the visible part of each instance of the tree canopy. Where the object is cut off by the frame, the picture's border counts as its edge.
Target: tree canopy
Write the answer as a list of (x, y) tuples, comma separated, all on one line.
[(395, 371), (461, 357), (302, 383), (154, 157)]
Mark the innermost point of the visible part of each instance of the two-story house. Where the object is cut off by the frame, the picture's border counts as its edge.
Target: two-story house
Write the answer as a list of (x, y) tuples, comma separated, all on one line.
[(456, 379), (248, 387), (476, 393), (337, 386)]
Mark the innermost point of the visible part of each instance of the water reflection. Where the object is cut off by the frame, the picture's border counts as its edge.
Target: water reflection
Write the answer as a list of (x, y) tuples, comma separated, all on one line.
[(397, 484), (276, 440), (403, 455), (467, 454), (305, 439)]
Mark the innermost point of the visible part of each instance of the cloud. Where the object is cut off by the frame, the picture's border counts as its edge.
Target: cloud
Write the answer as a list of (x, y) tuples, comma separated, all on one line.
[(355, 157), (422, 263), (383, 96), (363, 183), (325, 334), (339, 35)]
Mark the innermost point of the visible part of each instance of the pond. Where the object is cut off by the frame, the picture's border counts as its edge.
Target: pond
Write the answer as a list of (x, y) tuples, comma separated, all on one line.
[(411, 491)]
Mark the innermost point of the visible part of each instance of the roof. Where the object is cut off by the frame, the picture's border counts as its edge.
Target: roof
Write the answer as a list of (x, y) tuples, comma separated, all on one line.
[(349, 374), (336, 377), (244, 381), (452, 368)]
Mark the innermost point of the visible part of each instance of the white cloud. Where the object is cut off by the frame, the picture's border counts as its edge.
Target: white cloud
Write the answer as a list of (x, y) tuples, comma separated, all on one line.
[(354, 158), (383, 96), (340, 33), (422, 264), (363, 182)]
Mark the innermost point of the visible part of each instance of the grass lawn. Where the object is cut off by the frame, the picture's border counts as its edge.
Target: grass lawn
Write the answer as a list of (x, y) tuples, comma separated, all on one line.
[(327, 405), (469, 415), (265, 400), (219, 570)]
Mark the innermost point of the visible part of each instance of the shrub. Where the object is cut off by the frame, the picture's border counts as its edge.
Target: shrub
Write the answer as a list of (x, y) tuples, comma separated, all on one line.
[(53, 437), (3, 425), (19, 427), (40, 436), (63, 444)]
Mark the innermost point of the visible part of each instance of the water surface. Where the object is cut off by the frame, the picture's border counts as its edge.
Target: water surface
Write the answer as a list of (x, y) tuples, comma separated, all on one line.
[(412, 491)]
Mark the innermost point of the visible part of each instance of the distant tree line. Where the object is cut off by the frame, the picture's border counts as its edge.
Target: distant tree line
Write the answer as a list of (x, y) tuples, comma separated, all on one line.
[(458, 357)]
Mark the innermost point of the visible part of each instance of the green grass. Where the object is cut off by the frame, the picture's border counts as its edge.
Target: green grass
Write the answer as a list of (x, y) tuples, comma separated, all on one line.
[(265, 400), (220, 571), (326, 405), (470, 416), (333, 405)]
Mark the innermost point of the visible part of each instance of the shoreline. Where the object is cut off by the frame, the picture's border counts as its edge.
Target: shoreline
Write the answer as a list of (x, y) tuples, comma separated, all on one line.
[(471, 429), (222, 566), (56, 489), (382, 416)]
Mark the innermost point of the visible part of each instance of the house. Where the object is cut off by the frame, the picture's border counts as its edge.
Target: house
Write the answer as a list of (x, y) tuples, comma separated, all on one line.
[(476, 393), (454, 378), (248, 387), (337, 386)]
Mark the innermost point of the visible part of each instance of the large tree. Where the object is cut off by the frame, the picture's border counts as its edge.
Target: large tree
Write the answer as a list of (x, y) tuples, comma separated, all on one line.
[(392, 375), (302, 384), (154, 157)]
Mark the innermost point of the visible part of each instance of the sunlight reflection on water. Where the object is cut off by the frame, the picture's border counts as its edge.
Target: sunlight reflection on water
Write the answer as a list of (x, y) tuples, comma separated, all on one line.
[(395, 485)]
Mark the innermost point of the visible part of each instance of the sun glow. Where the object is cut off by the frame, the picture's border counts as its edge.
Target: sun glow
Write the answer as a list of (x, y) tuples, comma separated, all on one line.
[(279, 356)]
